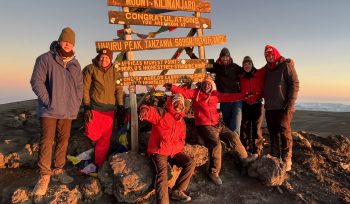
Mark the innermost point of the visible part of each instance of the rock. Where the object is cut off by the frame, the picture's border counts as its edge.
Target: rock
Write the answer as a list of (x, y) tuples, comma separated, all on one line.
[(302, 140), (21, 158), (59, 194), (131, 180), (105, 175), (91, 190), (21, 195), (198, 152), (2, 161), (268, 170)]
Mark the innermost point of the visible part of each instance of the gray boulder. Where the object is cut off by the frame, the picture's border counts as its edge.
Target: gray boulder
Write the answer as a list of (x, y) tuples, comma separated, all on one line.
[(268, 170)]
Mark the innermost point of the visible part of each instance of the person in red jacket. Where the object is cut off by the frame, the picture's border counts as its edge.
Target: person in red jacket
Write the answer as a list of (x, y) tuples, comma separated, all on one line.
[(166, 144), (206, 116), (252, 81)]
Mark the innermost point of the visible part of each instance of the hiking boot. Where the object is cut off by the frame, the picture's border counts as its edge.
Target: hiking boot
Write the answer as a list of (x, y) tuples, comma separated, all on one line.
[(180, 196), (249, 159), (63, 178), (215, 178), (42, 185)]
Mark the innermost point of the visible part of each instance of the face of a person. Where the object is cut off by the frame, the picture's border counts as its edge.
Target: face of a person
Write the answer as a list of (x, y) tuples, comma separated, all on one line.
[(207, 86), (270, 58), (66, 46), (247, 66), (178, 106), (105, 61), (225, 60)]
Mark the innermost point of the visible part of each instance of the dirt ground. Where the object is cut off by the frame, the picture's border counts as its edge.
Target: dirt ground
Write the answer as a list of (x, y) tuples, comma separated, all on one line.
[(320, 172)]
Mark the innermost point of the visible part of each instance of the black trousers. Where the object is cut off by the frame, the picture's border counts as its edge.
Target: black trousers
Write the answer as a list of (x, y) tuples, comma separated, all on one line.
[(160, 163), (278, 123), (251, 134)]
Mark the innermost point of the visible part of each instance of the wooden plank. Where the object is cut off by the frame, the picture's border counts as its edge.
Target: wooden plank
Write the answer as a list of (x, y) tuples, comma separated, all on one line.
[(161, 43), (174, 5), (147, 65), (201, 50), (162, 79), (134, 123), (148, 19)]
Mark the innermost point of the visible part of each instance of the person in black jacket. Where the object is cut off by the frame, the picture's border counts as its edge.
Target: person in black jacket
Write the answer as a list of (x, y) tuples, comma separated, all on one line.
[(227, 81)]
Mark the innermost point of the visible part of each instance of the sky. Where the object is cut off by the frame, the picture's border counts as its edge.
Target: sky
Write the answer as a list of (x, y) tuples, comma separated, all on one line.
[(314, 33)]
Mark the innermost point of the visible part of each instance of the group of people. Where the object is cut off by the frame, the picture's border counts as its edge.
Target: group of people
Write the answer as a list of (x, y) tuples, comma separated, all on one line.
[(61, 87)]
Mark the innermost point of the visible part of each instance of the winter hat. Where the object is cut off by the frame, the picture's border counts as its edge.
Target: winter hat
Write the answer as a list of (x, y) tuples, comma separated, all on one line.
[(178, 97), (270, 50), (105, 51), (247, 59), (67, 35), (225, 52)]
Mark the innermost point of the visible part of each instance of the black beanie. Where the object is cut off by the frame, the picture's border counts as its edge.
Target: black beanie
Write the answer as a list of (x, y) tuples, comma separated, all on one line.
[(247, 59), (105, 51), (225, 52)]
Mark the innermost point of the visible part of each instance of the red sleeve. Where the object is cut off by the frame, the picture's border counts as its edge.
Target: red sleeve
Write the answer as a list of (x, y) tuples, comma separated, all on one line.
[(187, 93), (230, 97), (152, 114)]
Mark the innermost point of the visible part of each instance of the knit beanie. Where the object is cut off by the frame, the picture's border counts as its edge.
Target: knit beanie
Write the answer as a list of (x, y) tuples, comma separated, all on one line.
[(67, 35), (105, 51), (178, 97), (247, 59), (225, 52)]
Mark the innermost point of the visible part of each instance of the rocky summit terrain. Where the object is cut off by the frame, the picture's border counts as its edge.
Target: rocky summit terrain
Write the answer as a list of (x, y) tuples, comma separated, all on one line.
[(320, 171)]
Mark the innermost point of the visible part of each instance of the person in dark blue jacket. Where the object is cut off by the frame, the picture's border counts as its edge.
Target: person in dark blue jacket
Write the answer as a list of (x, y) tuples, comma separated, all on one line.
[(57, 80)]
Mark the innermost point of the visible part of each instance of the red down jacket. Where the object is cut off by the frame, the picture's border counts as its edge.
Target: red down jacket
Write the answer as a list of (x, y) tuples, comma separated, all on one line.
[(168, 130), (254, 85), (205, 105)]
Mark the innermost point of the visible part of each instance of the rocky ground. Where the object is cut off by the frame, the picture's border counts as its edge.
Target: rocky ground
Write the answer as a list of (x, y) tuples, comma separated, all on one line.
[(320, 172)]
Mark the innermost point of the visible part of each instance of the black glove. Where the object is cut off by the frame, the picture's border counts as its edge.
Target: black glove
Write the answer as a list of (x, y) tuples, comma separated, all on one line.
[(168, 86), (87, 114)]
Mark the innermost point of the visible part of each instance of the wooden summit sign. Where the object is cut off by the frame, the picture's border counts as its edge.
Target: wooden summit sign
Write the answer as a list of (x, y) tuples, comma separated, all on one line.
[(161, 43), (147, 65), (161, 79), (148, 19), (174, 5)]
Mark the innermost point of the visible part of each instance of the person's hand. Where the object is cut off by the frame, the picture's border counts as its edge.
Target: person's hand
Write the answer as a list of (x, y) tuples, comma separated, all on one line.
[(168, 86), (88, 116), (143, 113)]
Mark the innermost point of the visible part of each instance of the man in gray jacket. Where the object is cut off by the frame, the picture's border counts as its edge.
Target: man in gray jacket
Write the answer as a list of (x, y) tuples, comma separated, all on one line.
[(280, 93), (58, 82)]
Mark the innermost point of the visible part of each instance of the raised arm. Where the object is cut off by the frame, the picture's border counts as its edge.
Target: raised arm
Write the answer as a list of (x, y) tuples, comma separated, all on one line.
[(149, 114), (186, 92)]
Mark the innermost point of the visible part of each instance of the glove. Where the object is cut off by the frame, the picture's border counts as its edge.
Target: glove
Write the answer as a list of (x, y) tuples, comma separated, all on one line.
[(87, 114), (168, 86)]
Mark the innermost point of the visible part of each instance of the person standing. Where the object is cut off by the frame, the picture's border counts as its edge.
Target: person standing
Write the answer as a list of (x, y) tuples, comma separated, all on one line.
[(252, 81), (227, 81), (100, 85), (206, 116), (58, 82), (280, 93), (166, 144)]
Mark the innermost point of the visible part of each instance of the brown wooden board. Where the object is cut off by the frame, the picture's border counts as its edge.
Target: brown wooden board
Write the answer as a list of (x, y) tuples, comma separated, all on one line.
[(161, 79), (161, 43), (175, 5), (147, 65), (148, 19)]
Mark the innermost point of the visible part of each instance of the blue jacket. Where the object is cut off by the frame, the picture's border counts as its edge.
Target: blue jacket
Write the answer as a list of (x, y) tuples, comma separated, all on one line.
[(59, 88)]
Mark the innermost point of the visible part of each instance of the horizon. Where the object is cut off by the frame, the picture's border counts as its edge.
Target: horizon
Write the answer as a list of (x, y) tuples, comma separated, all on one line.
[(316, 38)]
